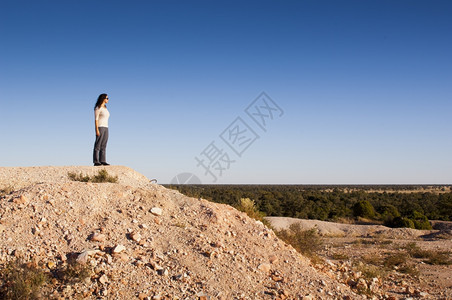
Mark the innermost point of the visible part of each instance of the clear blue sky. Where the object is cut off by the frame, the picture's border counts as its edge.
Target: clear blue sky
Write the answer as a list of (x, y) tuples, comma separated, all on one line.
[(365, 86)]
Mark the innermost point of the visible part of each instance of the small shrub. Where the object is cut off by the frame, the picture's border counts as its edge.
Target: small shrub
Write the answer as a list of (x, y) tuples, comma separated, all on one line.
[(102, 176), (307, 242), (180, 225), (340, 256), (22, 280), (384, 243), (430, 257), (438, 258), (372, 260), (409, 269), (397, 259), (364, 242), (74, 272), (78, 177), (370, 271), (248, 206), (6, 190), (410, 247)]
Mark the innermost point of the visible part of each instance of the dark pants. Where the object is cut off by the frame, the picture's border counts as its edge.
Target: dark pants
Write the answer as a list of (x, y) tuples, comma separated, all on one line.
[(100, 146)]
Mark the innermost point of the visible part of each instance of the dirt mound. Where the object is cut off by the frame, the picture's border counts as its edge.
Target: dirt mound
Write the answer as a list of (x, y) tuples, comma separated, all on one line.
[(142, 240), (19, 177), (332, 229)]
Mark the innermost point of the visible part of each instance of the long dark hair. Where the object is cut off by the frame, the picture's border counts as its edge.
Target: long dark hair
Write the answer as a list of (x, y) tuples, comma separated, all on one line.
[(100, 99)]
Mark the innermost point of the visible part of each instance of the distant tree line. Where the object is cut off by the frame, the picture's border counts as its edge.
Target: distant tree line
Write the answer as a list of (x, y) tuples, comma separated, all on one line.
[(331, 203)]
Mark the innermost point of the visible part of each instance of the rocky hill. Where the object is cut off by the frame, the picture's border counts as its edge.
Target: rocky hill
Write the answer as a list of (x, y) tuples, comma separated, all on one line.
[(140, 240)]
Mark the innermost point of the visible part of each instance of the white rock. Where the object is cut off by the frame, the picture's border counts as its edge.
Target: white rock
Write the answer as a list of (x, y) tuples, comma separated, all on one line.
[(118, 249), (103, 279), (136, 237), (83, 257), (98, 237), (156, 211), (264, 268)]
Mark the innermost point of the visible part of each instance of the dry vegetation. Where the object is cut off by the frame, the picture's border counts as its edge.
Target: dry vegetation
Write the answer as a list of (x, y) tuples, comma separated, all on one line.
[(102, 176)]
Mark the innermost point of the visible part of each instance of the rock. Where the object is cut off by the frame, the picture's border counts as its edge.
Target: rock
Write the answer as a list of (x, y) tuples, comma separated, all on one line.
[(357, 275), (374, 285), (121, 256), (277, 278), (82, 258), (362, 284), (202, 295), (351, 283), (135, 236), (104, 292), (118, 249), (21, 200), (103, 279), (163, 272), (63, 257), (157, 211), (142, 296), (273, 259), (409, 290), (98, 237), (264, 268)]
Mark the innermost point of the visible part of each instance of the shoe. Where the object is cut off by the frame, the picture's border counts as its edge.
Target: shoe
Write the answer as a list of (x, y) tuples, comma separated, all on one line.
[(97, 164), (104, 164)]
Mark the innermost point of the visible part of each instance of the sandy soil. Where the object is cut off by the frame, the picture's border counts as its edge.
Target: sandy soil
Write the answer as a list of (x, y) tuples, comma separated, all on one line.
[(354, 244)]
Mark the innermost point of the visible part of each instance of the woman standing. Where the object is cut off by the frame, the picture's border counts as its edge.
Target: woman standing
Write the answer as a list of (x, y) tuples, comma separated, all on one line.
[(101, 116)]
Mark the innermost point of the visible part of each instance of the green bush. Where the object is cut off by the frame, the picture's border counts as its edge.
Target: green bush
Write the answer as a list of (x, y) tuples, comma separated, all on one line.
[(402, 222), (420, 221), (363, 209), (388, 213)]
